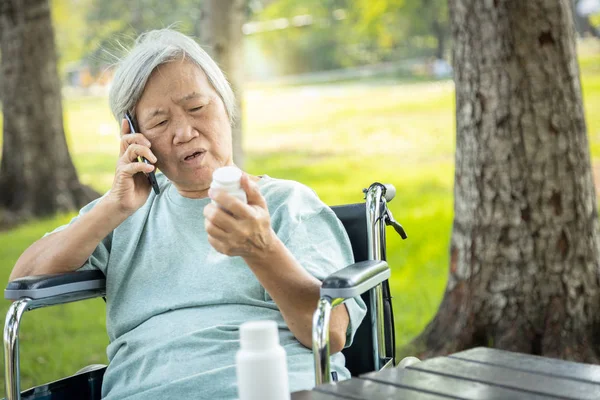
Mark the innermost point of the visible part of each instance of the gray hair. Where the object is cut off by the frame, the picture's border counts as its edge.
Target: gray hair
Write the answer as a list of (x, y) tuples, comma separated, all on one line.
[(152, 49)]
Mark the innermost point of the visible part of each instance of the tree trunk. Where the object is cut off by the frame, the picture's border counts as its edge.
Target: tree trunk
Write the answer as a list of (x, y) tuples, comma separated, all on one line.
[(221, 32), (524, 269), (37, 177), (440, 36)]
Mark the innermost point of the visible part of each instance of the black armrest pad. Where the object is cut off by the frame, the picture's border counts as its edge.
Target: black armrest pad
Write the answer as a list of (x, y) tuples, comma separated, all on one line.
[(42, 286), (355, 279)]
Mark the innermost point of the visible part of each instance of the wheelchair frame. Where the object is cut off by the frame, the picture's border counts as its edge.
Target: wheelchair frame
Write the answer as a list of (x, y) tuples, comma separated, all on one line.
[(34, 292), (378, 216)]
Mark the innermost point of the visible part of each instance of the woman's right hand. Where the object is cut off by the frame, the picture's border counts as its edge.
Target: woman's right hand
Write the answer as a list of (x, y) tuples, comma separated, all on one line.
[(130, 187)]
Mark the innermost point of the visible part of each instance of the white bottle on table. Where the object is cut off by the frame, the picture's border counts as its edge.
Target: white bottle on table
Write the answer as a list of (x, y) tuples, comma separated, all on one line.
[(228, 179), (261, 364)]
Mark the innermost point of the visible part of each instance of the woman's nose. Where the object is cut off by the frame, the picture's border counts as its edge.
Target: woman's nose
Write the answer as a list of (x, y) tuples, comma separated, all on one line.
[(184, 132)]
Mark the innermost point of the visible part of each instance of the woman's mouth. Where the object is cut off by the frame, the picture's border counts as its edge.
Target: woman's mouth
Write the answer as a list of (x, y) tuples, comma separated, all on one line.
[(192, 156)]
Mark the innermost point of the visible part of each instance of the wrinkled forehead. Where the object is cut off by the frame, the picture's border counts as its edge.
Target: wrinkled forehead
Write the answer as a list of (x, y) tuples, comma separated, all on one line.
[(177, 81)]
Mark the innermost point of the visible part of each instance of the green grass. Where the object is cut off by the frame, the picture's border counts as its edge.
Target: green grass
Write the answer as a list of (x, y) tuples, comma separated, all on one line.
[(336, 138)]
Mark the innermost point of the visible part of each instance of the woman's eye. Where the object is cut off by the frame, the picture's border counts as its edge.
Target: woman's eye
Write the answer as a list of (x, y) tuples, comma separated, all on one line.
[(196, 108), (161, 123)]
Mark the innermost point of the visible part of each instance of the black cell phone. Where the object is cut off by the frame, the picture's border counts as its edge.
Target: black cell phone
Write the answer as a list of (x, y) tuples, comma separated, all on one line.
[(151, 176)]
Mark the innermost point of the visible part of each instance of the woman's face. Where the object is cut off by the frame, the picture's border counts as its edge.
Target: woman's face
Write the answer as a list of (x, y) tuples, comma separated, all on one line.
[(185, 120)]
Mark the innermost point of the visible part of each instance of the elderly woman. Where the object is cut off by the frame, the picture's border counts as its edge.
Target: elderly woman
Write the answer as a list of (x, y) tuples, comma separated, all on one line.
[(181, 273)]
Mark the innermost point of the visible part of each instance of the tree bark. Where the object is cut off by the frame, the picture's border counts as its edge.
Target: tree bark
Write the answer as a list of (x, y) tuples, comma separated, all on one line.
[(524, 268), (221, 32), (37, 176)]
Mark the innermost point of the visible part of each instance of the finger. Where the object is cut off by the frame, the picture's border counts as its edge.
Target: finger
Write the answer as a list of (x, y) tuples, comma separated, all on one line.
[(133, 138), (252, 192), (214, 231), (136, 167), (230, 203), (218, 245), (137, 150), (125, 128), (220, 218)]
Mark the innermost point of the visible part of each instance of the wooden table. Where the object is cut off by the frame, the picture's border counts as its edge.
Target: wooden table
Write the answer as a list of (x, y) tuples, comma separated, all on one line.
[(479, 373)]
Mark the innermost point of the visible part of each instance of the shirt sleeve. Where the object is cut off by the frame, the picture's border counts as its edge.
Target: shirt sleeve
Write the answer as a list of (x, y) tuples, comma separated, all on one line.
[(98, 260), (321, 245)]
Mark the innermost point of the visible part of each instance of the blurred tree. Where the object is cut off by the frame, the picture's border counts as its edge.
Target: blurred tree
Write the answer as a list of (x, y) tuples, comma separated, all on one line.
[(392, 23), (580, 23), (37, 176), (69, 20), (113, 23), (221, 34), (429, 17), (583, 22), (345, 33), (524, 268), (379, 27), (309, 39)]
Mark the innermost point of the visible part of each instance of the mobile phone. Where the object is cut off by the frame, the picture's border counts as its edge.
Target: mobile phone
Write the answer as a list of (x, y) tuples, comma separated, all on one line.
[(151, 176)]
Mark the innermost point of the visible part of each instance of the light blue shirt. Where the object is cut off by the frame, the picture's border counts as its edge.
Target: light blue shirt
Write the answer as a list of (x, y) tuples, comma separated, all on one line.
[(174, 304)]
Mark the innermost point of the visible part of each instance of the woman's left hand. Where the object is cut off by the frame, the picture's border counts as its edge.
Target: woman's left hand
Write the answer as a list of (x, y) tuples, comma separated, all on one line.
[(238, 229)]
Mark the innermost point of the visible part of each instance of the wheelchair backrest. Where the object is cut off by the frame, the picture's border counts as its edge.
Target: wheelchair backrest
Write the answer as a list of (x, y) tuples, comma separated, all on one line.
[(359, 356)]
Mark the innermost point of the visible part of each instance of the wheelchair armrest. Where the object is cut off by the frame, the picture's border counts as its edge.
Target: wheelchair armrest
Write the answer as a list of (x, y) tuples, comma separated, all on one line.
[(67, 285), (355, 279)]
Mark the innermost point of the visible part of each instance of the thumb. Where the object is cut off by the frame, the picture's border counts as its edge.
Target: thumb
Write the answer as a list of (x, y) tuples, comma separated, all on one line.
[(252, 192)]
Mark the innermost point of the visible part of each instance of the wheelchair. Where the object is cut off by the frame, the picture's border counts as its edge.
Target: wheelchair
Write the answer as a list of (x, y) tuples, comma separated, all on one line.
[(373, 347)]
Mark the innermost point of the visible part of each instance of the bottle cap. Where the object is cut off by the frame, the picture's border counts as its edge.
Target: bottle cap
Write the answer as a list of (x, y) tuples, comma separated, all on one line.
[(259, 335), (227, 175)]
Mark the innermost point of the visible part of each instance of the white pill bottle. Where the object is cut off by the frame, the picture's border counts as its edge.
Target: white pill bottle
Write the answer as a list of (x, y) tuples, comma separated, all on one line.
[(228, 179), (261, 364)]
